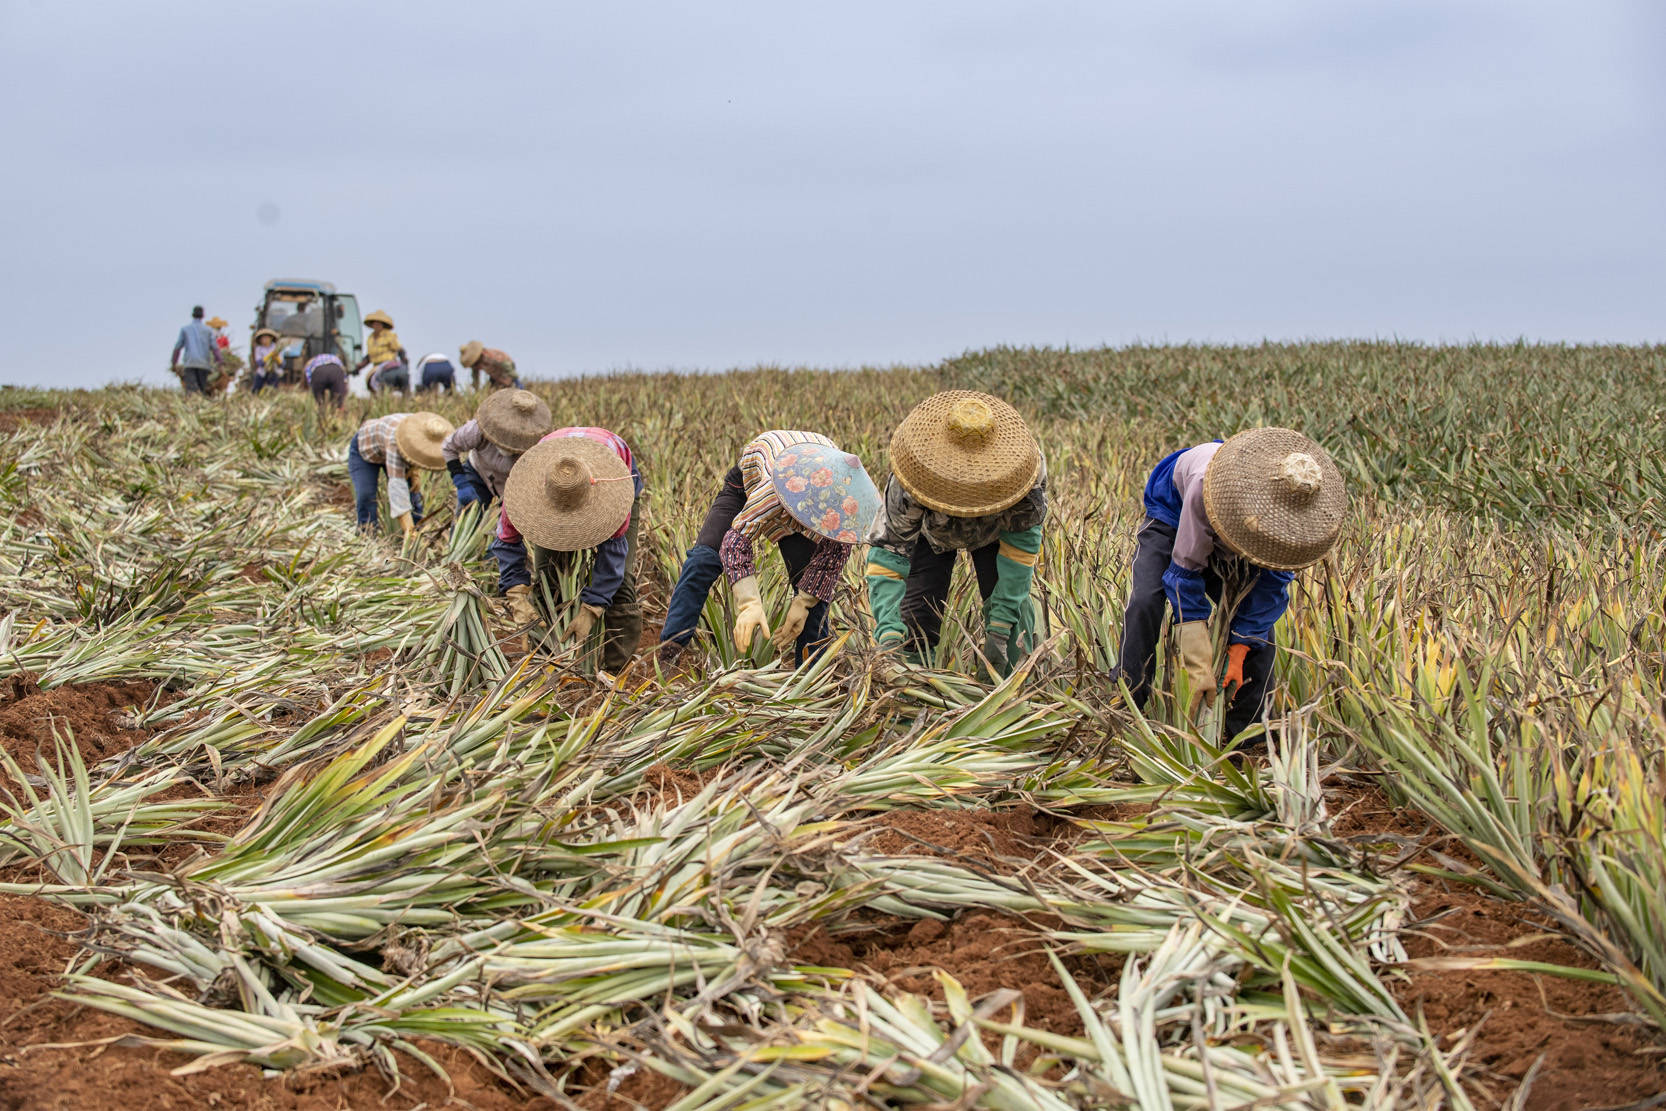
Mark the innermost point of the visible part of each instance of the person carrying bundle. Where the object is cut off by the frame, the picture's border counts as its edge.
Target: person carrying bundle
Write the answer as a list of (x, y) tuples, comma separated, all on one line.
[(814, 501), (384, 352), (575, 491), (966, 475), (1237, 519), (327, 375), (498, 368), (506, 425), (263, 366), (398, 444)]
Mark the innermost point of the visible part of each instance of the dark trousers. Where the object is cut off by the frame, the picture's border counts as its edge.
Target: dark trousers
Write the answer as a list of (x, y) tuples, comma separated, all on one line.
[(1142, 630), (366, 478), (437, 377), (263, 381), (331, 380), (926, 593), (703, 566), (510, 554), (195, 379), (622, 620)]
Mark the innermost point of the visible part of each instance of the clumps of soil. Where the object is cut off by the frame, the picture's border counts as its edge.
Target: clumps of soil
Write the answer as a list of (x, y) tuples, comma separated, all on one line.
[(986, 836), (254, 572), (94, 713), (983, 950), (45, 1065), (1589, 1060), (676, 785), (13, 419), (630, 1088)]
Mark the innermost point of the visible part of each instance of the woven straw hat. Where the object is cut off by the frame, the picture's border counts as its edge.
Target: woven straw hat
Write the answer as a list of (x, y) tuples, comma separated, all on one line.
[(1275, 497), (826, 490), (569, 494), (215, 322), (471, 352), (965, 453), (379, 317), (514, 420), (265, 332), (419, 437)]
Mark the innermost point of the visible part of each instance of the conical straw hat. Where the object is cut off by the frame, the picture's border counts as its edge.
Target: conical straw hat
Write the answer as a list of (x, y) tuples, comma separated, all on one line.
[(471, 352), (264, 332), (1275, 497), (826, 490), (569, 494), (514, 420), (379, 317), (419, 437), (965, 453), (215, 322)]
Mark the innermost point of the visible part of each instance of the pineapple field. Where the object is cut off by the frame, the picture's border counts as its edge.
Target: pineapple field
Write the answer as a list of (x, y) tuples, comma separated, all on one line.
[(285, 823)]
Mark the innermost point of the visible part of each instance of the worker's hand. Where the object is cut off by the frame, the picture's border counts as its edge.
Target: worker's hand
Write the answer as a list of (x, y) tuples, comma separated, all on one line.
[(1197, 657), (521, 609), (750, 620), (406, 525), (467, 493), (579, 630), (1234, 677), (786, 636)]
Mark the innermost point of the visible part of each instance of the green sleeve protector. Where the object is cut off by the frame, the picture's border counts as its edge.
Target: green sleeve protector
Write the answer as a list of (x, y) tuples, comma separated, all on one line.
[(1009, 614), (887, 578)]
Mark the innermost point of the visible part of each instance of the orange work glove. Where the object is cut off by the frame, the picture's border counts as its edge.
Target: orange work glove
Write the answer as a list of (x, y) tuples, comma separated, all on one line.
[(1234, 677)]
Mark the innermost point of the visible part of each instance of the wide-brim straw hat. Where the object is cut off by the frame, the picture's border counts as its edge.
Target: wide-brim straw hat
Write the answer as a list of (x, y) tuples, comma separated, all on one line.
[(1275, 497), (471, 352), (215, 322), (379, 317), (569, 494), (259, 332), (827, 490), (965, 453), (419, 437), (514, 420)]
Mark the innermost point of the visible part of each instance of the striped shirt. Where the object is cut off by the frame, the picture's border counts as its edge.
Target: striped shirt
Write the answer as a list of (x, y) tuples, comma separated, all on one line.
[(326, 360), (763, 518), (378, 443)]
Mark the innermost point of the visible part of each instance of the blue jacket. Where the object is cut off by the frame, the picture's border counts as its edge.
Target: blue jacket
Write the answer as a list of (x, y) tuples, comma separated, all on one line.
[(1269, 593), (196, 339)]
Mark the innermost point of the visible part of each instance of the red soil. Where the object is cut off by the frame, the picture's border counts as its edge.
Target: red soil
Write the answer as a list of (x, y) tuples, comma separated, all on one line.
[(13, 419), (92, 712)]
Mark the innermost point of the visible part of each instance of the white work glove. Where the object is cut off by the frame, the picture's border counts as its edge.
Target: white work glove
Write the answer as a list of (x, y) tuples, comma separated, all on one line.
[(749, 613), (786, 636), (1197, 657)]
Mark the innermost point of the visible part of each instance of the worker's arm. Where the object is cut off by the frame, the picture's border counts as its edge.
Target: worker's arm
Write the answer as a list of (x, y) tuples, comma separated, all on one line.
[(179, 345), (1268, 598), (1007, 633)]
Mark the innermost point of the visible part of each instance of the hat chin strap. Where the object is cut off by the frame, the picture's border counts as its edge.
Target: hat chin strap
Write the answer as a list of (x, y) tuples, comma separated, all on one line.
[(1299, 473)]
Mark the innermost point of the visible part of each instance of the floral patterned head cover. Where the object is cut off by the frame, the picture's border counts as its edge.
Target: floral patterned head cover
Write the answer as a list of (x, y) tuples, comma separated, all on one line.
[(827, 491)]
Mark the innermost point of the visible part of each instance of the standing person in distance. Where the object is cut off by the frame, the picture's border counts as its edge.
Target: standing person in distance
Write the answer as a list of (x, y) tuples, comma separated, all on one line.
[(480, 455), (1247, 513), (814, 501), (397, 444), (196, 355), (577, 490), (966, 475), (498, 368)]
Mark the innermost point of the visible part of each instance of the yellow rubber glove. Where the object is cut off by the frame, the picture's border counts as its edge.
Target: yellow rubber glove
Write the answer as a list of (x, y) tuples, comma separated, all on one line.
[(583, 621), (1197, 656), (521, 609), (406, 525), (749, 613), (786, 636)]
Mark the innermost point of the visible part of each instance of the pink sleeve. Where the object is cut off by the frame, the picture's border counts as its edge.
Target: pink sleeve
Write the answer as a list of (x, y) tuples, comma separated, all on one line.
[(506, 531)]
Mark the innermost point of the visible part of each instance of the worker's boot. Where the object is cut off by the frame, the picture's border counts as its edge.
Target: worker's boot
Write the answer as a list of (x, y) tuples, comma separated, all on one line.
[(522, 616)]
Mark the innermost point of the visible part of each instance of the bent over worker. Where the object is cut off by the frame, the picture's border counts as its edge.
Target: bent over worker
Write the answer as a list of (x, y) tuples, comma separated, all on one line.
[(498, 368), (399, 444), (505, 425), (577, 491), (966, 475), (814, 501), (1234, 520)]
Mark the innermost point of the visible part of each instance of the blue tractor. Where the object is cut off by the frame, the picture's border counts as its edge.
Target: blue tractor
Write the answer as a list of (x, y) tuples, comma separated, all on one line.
[(310, 318)]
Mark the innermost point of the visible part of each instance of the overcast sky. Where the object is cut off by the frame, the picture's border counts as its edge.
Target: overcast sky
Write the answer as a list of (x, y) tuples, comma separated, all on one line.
[(601, 186)]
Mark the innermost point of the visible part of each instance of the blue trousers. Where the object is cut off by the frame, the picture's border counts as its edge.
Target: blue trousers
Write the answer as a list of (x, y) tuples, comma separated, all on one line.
[(436, 376), (1142, 629), (510, 554), (263, 381), (703, 566), (367, 476)]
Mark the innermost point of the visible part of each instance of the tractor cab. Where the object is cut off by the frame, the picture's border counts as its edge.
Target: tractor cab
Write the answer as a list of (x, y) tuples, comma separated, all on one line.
[(311, 319)]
